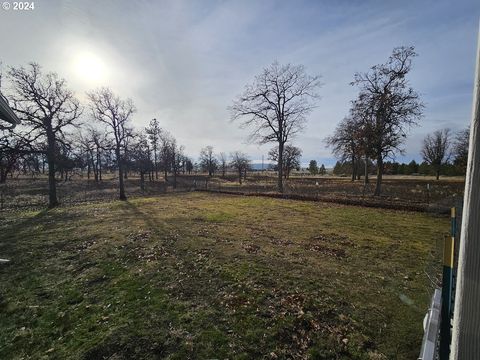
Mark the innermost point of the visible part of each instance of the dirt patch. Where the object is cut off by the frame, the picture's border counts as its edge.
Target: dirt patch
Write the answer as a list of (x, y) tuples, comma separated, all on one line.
[(326, 250), (140, 235), (334, 239), (251, 248), (327, 244), (152, 254), (281, 242)]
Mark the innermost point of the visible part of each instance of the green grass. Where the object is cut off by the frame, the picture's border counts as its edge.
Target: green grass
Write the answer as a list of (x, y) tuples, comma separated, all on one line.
[(212, 276)]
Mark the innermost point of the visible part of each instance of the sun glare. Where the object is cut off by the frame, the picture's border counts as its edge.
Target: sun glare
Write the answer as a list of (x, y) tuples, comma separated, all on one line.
[(89, 67)]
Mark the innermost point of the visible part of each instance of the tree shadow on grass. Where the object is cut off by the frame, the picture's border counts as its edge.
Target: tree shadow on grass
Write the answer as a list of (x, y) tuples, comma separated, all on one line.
[(26, 238), (148, 219)]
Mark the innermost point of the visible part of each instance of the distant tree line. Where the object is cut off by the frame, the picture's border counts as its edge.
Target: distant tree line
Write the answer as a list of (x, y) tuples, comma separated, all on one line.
[(442, 153)]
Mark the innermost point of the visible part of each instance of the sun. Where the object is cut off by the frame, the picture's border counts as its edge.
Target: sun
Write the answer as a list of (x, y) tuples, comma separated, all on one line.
[(90, 67)]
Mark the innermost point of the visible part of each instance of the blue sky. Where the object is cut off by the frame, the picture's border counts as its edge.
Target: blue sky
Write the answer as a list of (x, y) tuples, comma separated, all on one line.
[(184, 62)]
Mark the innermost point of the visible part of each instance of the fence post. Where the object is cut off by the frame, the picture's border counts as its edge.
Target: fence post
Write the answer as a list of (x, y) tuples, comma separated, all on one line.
[(447, 283)]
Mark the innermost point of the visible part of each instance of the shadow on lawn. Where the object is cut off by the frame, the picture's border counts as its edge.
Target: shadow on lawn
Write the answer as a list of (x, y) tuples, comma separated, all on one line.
[(149, 220), (17, 239)]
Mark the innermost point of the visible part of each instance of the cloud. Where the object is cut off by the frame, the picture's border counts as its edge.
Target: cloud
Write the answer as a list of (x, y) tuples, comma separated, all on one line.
[(183, 62)]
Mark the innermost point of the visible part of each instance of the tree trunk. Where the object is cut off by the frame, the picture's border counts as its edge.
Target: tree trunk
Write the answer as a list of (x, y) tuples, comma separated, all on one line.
[(366, 171), (353, 167), (378, 186), (5, 170), (52, 186), (438, 174), (240, 176), (358, 171), (3, 175), (120, 175), (280, 167), (95, 171), (155, 164), (142, 181), (99, 168)]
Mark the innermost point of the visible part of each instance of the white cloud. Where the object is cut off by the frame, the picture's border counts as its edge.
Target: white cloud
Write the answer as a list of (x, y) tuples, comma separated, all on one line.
[(184, 61)]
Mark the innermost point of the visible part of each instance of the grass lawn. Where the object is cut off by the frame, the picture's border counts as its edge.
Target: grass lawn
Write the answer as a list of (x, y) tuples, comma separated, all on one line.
[(198, 275)]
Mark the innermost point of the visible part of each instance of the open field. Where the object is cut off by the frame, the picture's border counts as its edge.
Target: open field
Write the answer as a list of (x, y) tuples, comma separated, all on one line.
[(422, 192), (199, 275), (402, 192)]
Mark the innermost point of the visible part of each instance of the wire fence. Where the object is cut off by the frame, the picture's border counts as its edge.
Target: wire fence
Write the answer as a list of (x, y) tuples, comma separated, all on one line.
[(404, 194)]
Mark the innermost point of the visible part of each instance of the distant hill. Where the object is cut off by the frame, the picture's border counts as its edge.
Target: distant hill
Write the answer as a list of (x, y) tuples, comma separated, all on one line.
[(258, 166), (266, 166)]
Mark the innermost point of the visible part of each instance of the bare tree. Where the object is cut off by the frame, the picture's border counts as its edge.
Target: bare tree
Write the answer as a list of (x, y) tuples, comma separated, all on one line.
[(12, 149), (188, 165), (222, 157), (240, 162), (389, 105), (352, 140), (86, 147), (275, 106), (460, 149), (100, 143), (177, 159), (66, 160), (47, 108), (92, 143), (345, 142), (154, 132), (291, 158), (114, 112), (166, 140), (435, 149), (208, 162), (140, 154)]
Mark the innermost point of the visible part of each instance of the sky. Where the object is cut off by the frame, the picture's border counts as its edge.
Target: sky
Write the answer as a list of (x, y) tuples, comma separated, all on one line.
[(183, 62)]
